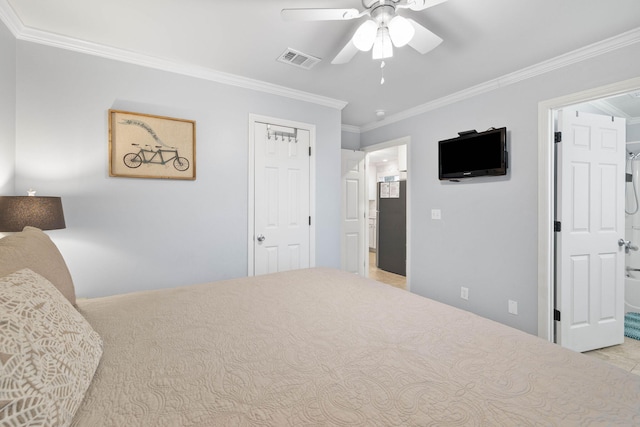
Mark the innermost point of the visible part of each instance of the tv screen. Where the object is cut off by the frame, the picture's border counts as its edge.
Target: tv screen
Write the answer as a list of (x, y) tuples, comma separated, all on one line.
[(473, 154)]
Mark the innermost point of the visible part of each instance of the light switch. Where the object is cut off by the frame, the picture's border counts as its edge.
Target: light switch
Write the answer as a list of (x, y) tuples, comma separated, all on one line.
[(436, 214)]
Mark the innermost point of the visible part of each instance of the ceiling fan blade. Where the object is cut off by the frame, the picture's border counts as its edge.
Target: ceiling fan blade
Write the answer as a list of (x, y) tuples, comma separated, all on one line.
[(423, 40), (319, 14), (423, 4), (346, 54)]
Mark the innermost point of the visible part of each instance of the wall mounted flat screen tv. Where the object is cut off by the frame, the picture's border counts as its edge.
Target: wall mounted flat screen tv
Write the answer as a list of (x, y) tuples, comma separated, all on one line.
[(473, 154)]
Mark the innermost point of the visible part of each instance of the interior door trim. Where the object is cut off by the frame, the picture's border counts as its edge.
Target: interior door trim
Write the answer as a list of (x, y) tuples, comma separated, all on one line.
[(251, 173), (546, 193), (405, 140)]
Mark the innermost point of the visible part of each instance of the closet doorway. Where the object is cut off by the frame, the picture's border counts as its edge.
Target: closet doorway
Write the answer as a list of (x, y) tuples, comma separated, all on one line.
[(281, 230), (387, 203)]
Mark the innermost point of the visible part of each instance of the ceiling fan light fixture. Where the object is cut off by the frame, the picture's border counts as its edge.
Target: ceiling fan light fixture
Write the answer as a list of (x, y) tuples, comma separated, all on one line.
[(401, 31), (365, 35), (382, 47)]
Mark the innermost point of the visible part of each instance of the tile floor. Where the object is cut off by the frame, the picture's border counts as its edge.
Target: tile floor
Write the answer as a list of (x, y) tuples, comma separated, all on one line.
[(625, 356), (384, 276)]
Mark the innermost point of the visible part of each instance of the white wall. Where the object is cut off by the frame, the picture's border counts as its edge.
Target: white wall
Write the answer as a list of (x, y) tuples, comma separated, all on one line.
[(126, 234), (7, 110), (487, 238), (389, 168)]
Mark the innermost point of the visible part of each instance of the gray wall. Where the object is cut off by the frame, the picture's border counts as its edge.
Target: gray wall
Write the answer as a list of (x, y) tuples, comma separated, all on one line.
[(350, 140), (7, 110), (127, 234), (487, 238), (633, 133)]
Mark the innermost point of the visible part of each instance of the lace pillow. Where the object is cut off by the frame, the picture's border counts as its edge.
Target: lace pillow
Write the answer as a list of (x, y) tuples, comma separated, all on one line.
[(48, 353)]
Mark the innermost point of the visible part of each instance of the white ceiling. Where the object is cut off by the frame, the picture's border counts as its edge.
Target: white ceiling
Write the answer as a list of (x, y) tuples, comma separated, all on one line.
[(483, 40), (389, 154), (626, 106)]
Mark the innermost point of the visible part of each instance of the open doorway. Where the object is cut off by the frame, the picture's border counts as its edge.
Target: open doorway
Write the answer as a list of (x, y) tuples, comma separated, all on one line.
[(628, 106), (625, 353), (387, 206), (603, 99), (589, 187)]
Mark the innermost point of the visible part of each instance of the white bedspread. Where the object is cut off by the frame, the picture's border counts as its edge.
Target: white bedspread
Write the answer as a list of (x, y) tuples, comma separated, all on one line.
[(324, 347)]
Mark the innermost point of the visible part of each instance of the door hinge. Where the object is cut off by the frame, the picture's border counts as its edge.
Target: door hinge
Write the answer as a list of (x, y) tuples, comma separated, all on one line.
[(309, 220), (556, 315), (557, 226), (309, 151), (557, 137)]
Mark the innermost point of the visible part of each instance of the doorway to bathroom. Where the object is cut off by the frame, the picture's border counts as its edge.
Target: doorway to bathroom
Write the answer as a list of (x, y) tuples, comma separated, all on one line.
[(589, 218), (612, 100)]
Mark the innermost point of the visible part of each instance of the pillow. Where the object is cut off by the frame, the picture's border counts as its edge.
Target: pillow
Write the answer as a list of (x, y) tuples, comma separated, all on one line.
[(48, 353), (33, 249)]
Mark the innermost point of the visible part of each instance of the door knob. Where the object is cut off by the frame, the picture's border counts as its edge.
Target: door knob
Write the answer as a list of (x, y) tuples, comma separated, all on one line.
[(627, 245), (260, 238)]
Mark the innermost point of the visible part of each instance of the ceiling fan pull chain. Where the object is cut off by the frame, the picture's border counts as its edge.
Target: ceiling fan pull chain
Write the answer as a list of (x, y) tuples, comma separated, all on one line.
[(382, 64)]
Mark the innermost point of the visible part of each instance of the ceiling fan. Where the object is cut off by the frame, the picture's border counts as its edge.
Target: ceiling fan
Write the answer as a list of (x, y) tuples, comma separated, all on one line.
[(381, 32)]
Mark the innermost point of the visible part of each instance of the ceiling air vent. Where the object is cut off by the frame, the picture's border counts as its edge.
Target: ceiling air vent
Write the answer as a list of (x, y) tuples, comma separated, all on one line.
[(299, 59)]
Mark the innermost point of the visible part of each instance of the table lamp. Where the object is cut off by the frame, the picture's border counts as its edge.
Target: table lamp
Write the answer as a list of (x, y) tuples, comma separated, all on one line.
[(44, 213)]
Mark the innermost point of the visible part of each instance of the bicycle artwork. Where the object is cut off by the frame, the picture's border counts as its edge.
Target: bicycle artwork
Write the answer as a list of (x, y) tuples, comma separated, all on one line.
[(137, 150), (157, 156)]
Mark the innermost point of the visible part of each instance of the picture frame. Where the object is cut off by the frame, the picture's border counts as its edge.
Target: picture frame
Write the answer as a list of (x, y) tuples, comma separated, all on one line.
[(149, 146)]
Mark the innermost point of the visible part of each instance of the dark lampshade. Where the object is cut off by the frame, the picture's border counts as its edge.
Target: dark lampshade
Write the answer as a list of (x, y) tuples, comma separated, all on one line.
[(16, 212)]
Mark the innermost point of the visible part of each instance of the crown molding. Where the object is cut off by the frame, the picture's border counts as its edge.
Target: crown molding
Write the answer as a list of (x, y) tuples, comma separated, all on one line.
[(350, 128), (10, 19), (18, 29), (590, 51), (21, 32)]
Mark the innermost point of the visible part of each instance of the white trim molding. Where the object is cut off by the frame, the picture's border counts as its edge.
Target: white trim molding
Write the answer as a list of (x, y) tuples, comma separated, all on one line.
[(546, 193), (404, 140), (10, 19), (350, 128), (599, 48), (253, 119), (21, 32)]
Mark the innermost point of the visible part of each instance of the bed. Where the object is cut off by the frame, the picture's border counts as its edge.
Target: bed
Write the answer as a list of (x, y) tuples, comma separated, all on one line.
[(307, 347)]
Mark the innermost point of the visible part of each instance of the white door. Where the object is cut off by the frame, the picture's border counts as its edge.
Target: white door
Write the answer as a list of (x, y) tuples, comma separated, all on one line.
[(281, 234), (353, 240), (590, 208)]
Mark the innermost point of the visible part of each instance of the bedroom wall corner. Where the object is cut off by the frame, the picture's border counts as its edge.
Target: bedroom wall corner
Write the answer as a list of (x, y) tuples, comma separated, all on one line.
[(7, 110), (487, 238), (129, 234), (350, 140)]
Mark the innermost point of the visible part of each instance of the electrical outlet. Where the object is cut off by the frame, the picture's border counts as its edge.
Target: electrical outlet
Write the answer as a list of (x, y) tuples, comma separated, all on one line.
[(513, 307), (436, 214), (464, 293)]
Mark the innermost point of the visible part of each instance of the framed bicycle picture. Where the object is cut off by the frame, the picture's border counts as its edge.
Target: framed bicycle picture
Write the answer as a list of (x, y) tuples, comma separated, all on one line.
[(146, 146)]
